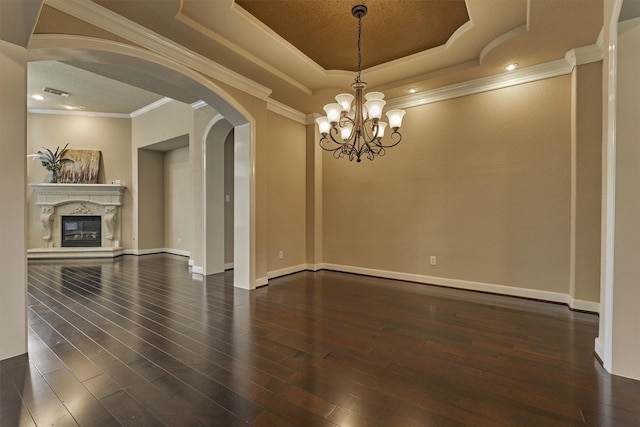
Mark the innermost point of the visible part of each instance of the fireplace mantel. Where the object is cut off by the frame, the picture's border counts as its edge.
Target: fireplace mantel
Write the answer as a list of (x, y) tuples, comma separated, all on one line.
[(58, 194), (55, 200)]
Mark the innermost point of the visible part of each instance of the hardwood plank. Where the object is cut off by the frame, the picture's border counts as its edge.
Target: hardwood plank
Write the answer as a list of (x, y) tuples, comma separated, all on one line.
[(138, 341)]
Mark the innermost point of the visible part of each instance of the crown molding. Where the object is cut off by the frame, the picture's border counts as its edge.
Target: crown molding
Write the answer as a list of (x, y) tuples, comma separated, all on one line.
[(79, 113), (243, 52), (103, 18), (579, 56), (286, 111), (198, 104), (160, 102), (560, 67), (584, 55)]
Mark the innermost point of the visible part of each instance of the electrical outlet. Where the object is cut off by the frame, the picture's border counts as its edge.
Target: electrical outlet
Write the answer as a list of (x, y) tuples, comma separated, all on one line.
[(281, 254), (227, 198), (179, 240), (432, 260)]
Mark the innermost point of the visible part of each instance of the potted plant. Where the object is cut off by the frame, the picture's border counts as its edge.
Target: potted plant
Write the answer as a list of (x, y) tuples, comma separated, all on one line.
[(52, 161)]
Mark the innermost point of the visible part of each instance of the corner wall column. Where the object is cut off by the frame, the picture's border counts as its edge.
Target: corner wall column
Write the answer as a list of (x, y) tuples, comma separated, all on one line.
[(13, 232)]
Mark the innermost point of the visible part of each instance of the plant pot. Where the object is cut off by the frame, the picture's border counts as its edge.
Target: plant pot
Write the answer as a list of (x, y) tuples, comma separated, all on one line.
[(53, 176)]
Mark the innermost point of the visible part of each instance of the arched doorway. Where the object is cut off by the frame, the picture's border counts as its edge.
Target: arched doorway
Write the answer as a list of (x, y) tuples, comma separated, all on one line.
[(131, 57), (218, 193)]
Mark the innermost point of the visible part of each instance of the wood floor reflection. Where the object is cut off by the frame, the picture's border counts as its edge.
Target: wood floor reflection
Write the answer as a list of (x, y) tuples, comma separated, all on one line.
[(140, 341)]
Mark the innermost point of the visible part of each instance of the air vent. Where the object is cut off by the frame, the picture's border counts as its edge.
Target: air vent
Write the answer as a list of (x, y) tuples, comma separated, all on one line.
[(56, 91)]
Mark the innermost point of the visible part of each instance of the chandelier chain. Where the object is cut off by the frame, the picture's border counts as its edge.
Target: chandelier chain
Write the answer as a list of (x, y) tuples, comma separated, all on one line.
[(359, 48)]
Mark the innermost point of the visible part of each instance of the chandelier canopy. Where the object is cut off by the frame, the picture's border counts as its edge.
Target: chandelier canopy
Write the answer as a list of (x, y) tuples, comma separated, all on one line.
[(358, 131)]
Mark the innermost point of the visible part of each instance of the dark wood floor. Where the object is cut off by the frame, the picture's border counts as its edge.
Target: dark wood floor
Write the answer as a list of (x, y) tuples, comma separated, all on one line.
[(140, 341)]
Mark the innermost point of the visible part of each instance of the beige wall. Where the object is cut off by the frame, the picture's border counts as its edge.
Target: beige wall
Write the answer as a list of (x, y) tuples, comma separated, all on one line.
[(178, 218), (481, 182), (112, 136), (286, 201), (13, 236), (150, 202), (587, 181)]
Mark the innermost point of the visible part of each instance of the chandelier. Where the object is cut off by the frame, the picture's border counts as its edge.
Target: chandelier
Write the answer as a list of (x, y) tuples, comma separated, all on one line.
[(358, 131)]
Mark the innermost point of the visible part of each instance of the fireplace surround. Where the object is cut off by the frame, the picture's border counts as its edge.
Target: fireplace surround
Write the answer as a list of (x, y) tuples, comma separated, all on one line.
[(75, 200)]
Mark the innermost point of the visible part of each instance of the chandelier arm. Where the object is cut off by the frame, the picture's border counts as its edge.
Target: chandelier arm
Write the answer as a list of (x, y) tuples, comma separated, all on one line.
[(370, 137), (325, 140), (395, 133)]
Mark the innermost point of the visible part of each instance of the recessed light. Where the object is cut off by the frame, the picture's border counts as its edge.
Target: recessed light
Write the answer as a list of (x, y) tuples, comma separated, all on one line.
[(511, 67), (69, 107), (412, 90), (38, 97)]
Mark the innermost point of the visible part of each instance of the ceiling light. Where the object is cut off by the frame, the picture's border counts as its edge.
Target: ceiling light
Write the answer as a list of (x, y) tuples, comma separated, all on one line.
[(511, 67), (358, 131), (75, 107), (38, 97), (412, 90), (56, 91)]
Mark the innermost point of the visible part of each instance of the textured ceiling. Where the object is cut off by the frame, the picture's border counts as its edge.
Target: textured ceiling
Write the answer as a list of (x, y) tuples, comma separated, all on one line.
[(88, 91), (390, 30), (305, 50)]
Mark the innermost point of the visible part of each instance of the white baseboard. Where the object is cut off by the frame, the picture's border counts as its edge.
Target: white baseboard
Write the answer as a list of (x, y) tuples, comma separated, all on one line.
[(197, 269), (472, 286), (191, 262), (156, 251), (262, 281), (582, 305), (288, 270), (228, 266)]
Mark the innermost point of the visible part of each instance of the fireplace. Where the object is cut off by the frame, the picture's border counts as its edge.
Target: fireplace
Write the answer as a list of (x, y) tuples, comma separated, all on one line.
[(81, 231), (91, 239)]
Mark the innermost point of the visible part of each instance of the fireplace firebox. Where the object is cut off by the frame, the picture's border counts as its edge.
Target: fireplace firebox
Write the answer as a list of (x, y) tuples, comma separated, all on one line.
[(81, 231)]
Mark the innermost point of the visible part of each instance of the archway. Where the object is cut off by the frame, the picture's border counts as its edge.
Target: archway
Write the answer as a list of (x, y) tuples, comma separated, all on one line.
[(107, 52)]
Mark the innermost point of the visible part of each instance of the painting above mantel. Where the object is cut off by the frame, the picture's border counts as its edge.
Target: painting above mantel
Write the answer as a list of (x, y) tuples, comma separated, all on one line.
[(83, 167)]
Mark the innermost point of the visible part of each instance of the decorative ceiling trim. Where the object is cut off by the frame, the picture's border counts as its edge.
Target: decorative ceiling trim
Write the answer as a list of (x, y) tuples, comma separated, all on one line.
[(79, 113), (286, 111), (579, 56), (160, 102), (502, 39), (103, 18), (198, 104), (246, 54), (584, 55)]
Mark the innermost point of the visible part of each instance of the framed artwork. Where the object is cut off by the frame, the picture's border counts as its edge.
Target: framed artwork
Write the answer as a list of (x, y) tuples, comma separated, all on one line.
[(82, 170)]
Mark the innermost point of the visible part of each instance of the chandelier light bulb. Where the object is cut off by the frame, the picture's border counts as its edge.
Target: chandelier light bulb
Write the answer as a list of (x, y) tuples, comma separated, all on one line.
[(323, 125), (373, 96), (374, 107), (333, 112), (345, 131), (381, 127), (395, 118), (345, 100)]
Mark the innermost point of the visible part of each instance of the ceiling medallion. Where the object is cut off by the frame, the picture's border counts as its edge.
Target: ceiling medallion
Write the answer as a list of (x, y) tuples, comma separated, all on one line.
[(358, 131)]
